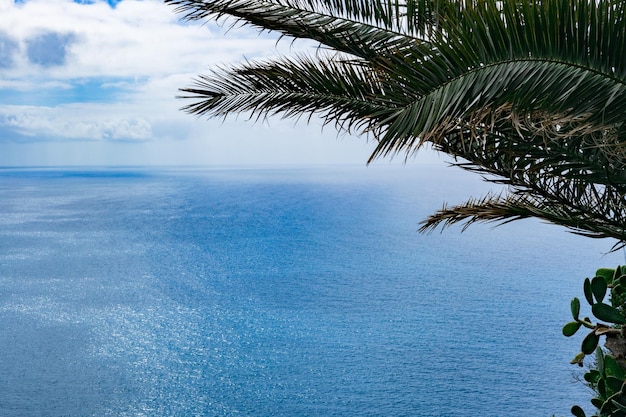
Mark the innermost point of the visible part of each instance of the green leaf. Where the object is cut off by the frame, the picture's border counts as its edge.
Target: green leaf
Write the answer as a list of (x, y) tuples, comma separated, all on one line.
[(597, 402), (608, 313), (571, 328), (575, 306), (606, 273), (619, 289), (587, 289), (592, 376), (601, 387), (614, 384), (598, 287), (600, 361), (612, 368), (577, 411), (589, 344)]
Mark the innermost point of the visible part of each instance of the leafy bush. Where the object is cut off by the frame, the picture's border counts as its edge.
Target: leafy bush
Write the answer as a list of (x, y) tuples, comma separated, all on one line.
[(608, 375)]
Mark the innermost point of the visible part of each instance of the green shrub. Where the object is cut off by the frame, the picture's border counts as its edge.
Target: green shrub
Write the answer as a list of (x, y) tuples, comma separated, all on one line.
[(608, 375)]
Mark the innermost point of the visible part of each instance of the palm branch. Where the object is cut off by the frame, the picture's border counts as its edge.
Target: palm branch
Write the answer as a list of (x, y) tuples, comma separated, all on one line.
[(531, 93)]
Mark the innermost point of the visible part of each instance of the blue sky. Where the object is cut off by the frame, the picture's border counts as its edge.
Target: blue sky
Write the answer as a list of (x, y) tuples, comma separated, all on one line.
[(94, 83)]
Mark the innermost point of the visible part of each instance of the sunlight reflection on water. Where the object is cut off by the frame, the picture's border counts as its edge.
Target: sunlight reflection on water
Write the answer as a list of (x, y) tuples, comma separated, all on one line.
[(277, 293)]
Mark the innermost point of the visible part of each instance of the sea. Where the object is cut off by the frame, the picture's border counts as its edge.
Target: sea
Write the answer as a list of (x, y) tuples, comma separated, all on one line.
[(280, 291)]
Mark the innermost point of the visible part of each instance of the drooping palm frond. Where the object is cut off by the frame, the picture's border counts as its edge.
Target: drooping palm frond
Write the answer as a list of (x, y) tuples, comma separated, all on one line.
[(349, 26), (308, 18), (331, 88), (577, 183), (592, 215), (530, 91), (519, 54)]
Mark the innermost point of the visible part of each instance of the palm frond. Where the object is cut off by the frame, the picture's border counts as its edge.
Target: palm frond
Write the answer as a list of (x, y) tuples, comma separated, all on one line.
[(530, 92), (361, 28), (412, 16), (492, 56), (342, 92), (503, 209), (534, 146)]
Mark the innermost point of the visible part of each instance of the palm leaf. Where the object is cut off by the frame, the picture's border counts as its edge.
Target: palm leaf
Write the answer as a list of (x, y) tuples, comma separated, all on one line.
[(342, 92), (360, 28), (503, 209), (530, 93)]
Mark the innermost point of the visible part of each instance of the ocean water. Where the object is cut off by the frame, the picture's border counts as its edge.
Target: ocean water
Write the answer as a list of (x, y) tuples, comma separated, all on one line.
[(279, 292)]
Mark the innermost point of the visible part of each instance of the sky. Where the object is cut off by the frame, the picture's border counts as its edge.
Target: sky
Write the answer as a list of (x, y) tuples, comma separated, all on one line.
[(94, 82)]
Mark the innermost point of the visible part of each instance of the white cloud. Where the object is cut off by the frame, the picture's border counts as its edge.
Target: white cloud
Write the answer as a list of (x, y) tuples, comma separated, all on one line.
[(142, 53), (79, 122), (137, 38), (140, 50)]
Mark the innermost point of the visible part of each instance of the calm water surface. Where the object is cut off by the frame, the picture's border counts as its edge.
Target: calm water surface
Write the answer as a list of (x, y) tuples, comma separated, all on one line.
[(296, 292)]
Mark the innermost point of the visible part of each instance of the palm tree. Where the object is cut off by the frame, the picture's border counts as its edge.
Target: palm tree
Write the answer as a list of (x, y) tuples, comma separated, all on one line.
[(528, 93)]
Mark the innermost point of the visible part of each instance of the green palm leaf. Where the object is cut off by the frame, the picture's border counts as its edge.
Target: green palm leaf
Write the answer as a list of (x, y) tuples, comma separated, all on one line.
[(339, 91), (531, 93), (503, 209), (360, 28)]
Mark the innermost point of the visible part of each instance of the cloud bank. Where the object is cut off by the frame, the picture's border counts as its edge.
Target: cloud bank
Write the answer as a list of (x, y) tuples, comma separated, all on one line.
[(107, 72)]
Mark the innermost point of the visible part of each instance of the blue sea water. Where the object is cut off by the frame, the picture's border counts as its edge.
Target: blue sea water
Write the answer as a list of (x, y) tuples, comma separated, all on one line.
[(279, 292)]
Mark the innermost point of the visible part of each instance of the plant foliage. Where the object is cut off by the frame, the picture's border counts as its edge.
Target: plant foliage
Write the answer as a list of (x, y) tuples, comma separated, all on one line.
[(608, 377), (531, 93)]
